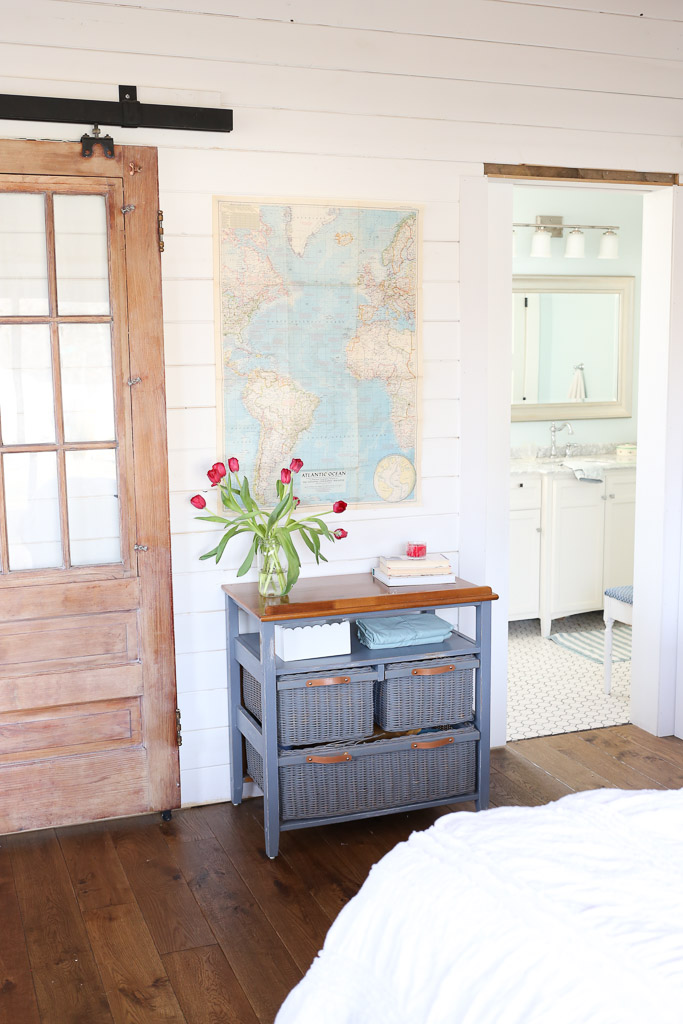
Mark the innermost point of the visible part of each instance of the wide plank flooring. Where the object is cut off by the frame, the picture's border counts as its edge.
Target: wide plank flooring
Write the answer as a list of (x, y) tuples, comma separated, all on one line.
[(188, 922)]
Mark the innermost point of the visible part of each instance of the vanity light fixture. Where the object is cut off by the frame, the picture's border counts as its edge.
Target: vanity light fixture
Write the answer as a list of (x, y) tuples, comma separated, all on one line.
[(547, 227), (575, 246), (540, 243), (609, 246)]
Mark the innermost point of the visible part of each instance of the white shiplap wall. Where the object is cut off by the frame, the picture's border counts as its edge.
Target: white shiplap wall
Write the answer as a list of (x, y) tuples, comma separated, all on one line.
[(351, 99)]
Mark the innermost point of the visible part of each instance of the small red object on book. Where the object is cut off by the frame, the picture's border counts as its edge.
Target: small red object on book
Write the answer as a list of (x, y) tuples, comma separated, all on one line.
[(416, 550)]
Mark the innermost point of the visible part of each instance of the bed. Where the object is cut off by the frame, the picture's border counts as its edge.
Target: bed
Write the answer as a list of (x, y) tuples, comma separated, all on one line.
[(570, 912)]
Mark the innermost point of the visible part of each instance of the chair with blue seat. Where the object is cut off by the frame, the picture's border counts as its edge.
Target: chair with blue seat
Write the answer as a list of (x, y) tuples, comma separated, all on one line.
[(619, 608)]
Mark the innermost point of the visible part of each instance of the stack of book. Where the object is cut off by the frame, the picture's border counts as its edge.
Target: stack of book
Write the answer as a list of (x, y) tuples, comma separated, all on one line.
[(401, 571)]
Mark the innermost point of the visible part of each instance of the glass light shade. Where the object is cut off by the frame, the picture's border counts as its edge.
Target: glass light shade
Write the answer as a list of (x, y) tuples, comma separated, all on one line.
[(609, 246), (575, 246), (540, 243)]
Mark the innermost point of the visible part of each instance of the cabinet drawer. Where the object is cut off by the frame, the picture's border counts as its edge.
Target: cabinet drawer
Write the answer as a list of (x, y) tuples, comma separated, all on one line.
[(425, 694), (318, 782), (525, 492), (318, 709)]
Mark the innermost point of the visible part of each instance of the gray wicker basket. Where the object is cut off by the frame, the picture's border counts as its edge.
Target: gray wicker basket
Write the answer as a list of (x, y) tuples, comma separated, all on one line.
[(426, 694), (317, 710), (329, 780)]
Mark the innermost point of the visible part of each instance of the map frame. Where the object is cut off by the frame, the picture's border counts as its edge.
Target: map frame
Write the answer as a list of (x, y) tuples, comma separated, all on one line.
[(415, 498)]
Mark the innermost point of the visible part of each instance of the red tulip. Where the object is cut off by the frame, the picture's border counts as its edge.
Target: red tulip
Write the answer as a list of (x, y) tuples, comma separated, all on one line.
[(198, 501), (233, 465), (216, 473), (295, 465), (339, 506), (296, 500), (285, 476), (340, 534)]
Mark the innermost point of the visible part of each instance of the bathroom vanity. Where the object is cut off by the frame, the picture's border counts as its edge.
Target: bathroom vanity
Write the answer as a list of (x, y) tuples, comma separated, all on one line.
[(569, 538)]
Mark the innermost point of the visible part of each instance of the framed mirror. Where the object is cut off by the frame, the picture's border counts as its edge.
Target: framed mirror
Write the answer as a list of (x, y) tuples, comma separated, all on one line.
[(572, 347)]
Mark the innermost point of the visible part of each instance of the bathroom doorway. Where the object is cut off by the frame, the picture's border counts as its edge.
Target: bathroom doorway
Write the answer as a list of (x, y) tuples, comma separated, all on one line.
[(486, 363), (576, 282)]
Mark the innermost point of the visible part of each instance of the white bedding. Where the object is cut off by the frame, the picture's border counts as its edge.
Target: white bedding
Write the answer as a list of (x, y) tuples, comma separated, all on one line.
[(571, 912)]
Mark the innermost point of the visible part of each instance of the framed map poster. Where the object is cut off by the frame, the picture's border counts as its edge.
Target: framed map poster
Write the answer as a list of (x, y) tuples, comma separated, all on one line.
[(317, 312)]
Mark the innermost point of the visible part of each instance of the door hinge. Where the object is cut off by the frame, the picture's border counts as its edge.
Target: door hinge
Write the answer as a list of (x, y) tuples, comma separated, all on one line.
[(178, 728), (160, 229)]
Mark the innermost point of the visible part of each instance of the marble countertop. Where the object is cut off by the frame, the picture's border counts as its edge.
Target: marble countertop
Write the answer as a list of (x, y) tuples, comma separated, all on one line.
[(563, 464)]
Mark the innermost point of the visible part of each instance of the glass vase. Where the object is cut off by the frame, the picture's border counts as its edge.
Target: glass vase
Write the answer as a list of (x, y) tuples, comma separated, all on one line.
[(271, 563)]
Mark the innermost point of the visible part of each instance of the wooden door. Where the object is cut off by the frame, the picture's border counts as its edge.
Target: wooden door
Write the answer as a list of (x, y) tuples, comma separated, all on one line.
[(87, 682), (620, 527)]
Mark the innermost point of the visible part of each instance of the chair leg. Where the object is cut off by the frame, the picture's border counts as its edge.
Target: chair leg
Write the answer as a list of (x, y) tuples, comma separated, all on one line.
[(609, 623)]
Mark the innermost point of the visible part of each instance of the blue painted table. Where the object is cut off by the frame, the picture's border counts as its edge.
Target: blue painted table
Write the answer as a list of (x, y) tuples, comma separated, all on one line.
[(334, 598)]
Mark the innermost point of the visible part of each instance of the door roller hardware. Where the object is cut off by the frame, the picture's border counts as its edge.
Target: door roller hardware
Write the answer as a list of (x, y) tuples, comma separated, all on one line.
[(127, 113)]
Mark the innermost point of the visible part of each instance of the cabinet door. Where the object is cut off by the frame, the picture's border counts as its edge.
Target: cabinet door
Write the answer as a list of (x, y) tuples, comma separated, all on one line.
[(620, 525), (578, 517), (525, 559)]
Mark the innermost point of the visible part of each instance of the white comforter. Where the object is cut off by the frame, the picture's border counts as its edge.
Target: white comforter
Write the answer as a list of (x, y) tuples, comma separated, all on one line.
[(571, 912)]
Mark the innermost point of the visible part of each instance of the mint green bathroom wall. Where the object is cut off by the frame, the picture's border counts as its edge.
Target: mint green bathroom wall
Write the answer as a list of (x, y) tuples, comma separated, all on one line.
[(578, 205)]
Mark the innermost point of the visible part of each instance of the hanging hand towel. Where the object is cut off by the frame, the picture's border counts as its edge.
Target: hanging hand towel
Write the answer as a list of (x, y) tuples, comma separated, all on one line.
[(577, 390)]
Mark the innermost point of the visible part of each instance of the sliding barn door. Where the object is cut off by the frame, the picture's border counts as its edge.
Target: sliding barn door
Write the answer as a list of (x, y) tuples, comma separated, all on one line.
[(87, 684)]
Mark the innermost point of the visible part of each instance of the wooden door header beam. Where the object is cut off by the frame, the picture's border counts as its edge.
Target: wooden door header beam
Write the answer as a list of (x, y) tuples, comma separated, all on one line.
[(127, 113), (579, 174)]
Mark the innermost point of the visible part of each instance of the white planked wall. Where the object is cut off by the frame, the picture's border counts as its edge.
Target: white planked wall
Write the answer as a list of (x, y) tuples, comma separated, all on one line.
[(353, 99)]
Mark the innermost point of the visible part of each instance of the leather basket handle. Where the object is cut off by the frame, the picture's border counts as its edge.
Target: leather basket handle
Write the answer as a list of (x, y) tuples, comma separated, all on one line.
[(328, 681), (429, 744), (435, 670), (328, 759)]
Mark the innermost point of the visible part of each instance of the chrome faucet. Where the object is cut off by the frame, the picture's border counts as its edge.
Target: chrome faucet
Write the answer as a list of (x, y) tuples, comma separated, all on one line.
[(554, 429)]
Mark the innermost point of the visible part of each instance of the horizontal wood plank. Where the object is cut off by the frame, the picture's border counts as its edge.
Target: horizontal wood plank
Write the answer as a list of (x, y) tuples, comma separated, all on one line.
[(116, 780), (58, 688), (59, 732), (46, 602)]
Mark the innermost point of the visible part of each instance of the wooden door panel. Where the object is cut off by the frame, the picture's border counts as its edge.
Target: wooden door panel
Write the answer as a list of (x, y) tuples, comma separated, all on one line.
[(69, 730), (87, 670), (18, 693), (96, 639), (83, 787), (22, 603)]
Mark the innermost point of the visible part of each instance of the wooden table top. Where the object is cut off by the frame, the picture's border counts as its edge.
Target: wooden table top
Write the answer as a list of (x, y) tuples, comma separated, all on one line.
[(318, 596)]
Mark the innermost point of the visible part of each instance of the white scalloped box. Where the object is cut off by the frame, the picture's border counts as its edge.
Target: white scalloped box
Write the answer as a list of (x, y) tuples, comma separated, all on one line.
[(323, 640)]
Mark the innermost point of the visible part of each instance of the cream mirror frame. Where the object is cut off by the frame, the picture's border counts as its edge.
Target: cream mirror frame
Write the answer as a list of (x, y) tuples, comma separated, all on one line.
[(623, 288)]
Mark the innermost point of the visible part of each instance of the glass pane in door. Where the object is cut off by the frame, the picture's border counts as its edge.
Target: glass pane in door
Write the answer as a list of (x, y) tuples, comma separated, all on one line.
[(26, 399), (32, 510), (87, 385), (23, 256), (81, 248), (93, 502)]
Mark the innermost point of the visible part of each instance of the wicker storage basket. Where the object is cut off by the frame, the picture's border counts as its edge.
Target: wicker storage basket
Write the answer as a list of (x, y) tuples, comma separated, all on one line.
[(316, 710), (426, 694), (334, 780)]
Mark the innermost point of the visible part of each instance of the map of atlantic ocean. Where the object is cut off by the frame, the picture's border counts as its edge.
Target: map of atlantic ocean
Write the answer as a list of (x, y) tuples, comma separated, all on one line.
[(319, 347)]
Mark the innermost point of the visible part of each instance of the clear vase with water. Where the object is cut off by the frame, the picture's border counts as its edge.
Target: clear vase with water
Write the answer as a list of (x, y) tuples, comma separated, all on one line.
[(271, 563)]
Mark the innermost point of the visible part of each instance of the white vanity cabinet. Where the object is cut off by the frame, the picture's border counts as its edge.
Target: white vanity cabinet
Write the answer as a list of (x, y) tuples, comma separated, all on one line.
[(525, 546), (569, 540)]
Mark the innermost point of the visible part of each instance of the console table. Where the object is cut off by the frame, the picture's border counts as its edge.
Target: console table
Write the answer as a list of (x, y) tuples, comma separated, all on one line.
[(334, 598)]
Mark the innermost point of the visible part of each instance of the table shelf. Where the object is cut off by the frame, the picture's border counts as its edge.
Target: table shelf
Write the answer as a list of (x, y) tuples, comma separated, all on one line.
[(456, 645)]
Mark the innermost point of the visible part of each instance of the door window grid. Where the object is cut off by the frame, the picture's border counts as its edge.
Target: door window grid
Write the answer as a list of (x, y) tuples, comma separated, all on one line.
[(60, 446)]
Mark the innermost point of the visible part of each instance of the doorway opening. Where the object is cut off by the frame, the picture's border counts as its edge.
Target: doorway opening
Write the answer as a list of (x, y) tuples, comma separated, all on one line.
[(576, 284)]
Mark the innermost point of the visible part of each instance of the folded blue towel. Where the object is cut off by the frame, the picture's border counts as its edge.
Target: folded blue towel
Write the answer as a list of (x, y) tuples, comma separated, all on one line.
[(403, 630)]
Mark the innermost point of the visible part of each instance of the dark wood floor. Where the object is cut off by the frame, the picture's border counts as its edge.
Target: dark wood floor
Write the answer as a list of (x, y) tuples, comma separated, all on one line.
[(188, 921)]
